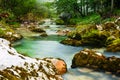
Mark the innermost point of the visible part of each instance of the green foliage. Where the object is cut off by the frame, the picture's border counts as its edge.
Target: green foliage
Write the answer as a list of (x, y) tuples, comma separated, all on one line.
[(18, 7), (2, 32), (82, 8), (116, 41), (67, 6), (59, 22), (117, 12), (91, 19), (91, 33)]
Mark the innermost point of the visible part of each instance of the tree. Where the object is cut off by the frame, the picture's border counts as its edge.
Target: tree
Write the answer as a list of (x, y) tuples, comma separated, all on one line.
[(18, 7), (112, 5)]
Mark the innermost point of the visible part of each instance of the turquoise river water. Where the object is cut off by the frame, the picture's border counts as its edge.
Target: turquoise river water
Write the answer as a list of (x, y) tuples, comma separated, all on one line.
[(40, 47)]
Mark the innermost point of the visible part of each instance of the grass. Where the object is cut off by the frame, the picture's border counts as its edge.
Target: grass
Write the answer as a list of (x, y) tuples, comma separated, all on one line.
[(90, 19)]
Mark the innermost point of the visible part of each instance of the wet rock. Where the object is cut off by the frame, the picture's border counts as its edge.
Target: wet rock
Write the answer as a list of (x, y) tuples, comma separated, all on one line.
[(95, 38), (114, 46), (74, 35), (63, 32), (12, 36), (94, 35), (36, 29), (14, 66), (109, 40), (71, 42), (109, 26), (95, 60), (59, 64), (43, 34), (41, 22)]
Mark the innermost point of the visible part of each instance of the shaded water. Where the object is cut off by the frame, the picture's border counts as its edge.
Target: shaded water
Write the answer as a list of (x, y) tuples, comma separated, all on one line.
[(41, 47)]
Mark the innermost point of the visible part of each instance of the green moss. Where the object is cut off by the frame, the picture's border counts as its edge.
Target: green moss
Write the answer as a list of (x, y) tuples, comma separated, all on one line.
[(92, 33), (2, 32), (59, 22), (116, 41), (93, 18), (114, 46)]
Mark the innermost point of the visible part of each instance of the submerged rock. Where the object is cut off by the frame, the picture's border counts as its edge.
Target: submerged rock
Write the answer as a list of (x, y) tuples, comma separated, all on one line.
[(95, 60), (14, 66)]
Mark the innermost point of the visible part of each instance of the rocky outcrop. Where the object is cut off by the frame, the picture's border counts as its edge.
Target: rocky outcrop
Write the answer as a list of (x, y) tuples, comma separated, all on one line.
[(102, 35), (95, 60), (14, 66), (12, 36)]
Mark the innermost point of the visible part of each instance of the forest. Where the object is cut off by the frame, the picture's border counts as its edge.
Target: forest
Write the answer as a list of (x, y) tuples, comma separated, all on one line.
[(59, 40)]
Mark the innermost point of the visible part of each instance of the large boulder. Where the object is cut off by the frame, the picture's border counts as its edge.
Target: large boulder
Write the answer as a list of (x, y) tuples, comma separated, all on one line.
[(14, 66), (95, 60), (93, 35)]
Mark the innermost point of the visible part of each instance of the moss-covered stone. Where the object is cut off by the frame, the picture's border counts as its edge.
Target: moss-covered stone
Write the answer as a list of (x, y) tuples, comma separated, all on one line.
[(36, 29), (114, 46), (72, 42), (95, 60), (8, 33), (94, 35), (59, 22), (109, 26)]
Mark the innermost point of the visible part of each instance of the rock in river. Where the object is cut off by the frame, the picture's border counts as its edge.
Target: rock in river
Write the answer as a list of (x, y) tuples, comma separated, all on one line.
[(14, 66), (95, 60)]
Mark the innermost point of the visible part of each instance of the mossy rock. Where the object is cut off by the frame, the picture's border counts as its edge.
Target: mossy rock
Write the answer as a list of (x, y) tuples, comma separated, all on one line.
[(95, 60), (109, 26), (94, 38), (36, 29), (114, 46), (110, 40), (59, 22), (71, 42), (74, 35)]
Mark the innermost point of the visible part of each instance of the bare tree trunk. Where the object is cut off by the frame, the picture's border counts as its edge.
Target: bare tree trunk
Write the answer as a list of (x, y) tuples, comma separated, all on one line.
[(112, 5)]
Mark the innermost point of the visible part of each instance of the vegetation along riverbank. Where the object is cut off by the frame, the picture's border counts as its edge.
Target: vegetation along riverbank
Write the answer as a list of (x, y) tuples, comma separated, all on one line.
[(59, 23)]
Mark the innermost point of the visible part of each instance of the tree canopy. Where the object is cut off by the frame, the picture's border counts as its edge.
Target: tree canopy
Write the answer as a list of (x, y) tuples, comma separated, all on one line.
[(82, 8)]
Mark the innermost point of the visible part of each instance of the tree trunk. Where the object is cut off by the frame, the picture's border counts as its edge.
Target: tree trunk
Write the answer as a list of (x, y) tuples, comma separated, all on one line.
[(112, 5)]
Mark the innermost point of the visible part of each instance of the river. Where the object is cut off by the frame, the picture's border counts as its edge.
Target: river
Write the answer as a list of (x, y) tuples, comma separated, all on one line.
[(40, 47)]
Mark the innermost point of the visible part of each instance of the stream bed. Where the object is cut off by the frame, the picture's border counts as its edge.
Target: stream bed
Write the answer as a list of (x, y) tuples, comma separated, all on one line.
[(50, 46)]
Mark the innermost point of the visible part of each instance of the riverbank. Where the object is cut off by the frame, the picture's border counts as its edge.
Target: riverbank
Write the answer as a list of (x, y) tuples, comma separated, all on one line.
[(8, 32), (49, 46), (15, 66), (103, 35)]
